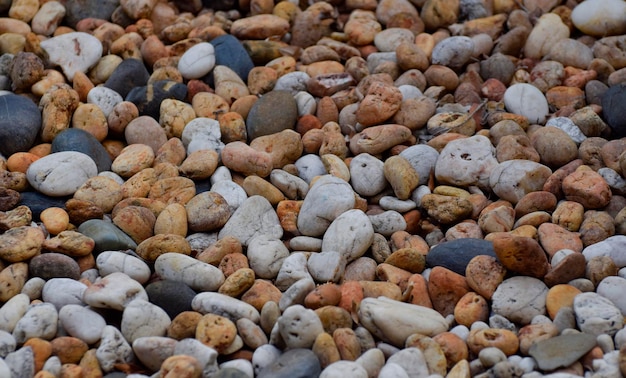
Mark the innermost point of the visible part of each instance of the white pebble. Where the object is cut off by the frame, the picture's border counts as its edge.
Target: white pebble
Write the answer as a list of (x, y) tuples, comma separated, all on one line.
[(197, 61)]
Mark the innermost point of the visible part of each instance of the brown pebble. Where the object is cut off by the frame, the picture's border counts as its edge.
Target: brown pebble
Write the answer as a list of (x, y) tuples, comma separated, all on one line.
[(587, 187), (237, 283), (532, 333), (453, 347), (325, 349), (560, 296), (327, 294), (553, 238), (333, 318), (600, 267), (522, 255), (216, 331), (42, 350), (260, 293), (232, 262), (571, 267), (184, 325), (503, 339), (181, 366), (70, 350), (446, 288)]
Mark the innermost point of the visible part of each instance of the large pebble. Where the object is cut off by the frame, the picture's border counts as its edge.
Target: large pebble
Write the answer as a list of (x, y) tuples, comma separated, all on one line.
[(254, 217), (561, 351), (40, 320), (299, 326), (456, 254), (20, 121), (128, 74), (139, 313), (597, 315), (350, 234), (453, 52), (547, 32), (73, 52), (230, 52), (115, 261), (367, 175), (79, 140), (611, 247), (82, 322), (467, 161), (600, 18), (62, 173), (196, 274), (528, 101), (106, 235), (12, 311), (520, 299), (263, 119), (266, 255), (513, 179), (328, 198), (114, 291), (63, 291), (113, 349), (152, 351), (394, 321)]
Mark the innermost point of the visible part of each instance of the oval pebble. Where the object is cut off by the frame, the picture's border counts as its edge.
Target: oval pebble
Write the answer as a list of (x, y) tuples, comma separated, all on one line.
[(528, 101)]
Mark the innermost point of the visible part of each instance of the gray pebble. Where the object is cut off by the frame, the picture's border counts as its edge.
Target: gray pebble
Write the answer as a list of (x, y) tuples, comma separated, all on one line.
[(299, 327), (296, 293), (305, 243), (305, 102), (423, 159), (33, 288), (264, 356), (256, 216), (367, 175), (293, 187), (350, 234), (82, 323), (597, 315), (292, 82), (309, 166), (293, 268), (12, 311), (453, 52), (569, 127), (61, 173), (153, 350), (105, 98), (266, 256), (21, 363), (115, 261), (196, 274), (520, 298), (343, 368), (202, 134), (223, 305), (142, 319), (7, 343), (63, 291), (232, 192), (113, 349), (240, 364), (40, 320), (395, 204), (387, 222), (327, 266)]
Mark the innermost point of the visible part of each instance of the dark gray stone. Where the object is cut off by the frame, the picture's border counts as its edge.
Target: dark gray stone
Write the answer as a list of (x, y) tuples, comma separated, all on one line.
[(497, 66), (81, 141), (76, 10), (173, 297), (294, 363), (20, 122), (614, 109), (272, 113), (456, 254), (54, 265), (129, 74), (106, 236), (148, 98)]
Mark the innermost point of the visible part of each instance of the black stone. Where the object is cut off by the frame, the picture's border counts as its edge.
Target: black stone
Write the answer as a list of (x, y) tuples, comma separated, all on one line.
[(456, 254), (294, 363), (76, 10), (148, 98), (272, 113), (173, 297), (38, 202), (129, 74), (220, 4), (54, 265), (81, 141), (20, 122), (230, 52), (614, 109)]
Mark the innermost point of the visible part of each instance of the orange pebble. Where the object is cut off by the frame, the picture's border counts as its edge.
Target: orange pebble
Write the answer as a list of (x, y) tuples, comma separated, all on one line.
[(55, 219), (41, 150), (20, 161)]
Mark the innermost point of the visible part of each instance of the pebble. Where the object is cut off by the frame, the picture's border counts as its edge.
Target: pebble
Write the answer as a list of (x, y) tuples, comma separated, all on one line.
[(520, 299), (64, 171), (40, 320), (82, 323), (63, 291), (262, 118), (599, 18), (114, 291), (400, 319), (197, 61), (526, 100), (18, 131), (466, 162), (79, 140), (596, 315), (562, 350), (73, 52), (172, 296), (301, 362)]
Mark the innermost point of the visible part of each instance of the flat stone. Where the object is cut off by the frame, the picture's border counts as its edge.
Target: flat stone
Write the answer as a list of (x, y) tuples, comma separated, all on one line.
[(107, 236), (254, 217), (562, 350), (456, 254)]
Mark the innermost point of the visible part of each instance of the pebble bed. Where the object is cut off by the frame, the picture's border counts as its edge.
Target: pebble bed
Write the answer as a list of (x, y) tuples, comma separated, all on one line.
[(358, 188)]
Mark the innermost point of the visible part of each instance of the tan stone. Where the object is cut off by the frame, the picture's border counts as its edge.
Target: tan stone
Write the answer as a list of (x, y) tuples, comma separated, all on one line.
[(446, 288), (157, 245), (216, 331)]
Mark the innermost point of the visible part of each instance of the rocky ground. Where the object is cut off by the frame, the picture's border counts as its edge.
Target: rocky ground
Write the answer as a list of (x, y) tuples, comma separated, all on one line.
[(358, 188)]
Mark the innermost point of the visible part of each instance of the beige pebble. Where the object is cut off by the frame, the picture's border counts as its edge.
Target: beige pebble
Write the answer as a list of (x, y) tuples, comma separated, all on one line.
[(173, 189), (181, 366), (55, 219), (133, 159), (136, 221), (21, 243), (255, 185), (70, 243), (238, 282), (284, 147), (12, 280), (209, 105), (199, 164), (172, 220), (91, 118), (503, 339), (242, 158), (157, 245), (102, 191)]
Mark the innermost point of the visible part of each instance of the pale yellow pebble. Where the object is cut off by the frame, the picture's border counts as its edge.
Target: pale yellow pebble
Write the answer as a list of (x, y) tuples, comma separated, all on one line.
[(447, 190), (55, 219)]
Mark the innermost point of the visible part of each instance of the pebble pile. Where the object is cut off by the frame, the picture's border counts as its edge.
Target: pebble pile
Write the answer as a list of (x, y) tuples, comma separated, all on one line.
[(358, 188)]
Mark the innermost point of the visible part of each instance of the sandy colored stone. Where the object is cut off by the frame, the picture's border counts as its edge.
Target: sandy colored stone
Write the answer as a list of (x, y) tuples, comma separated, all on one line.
[(184, 325), (70, 350), (157, 245), (503, 339), (216, 331)]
